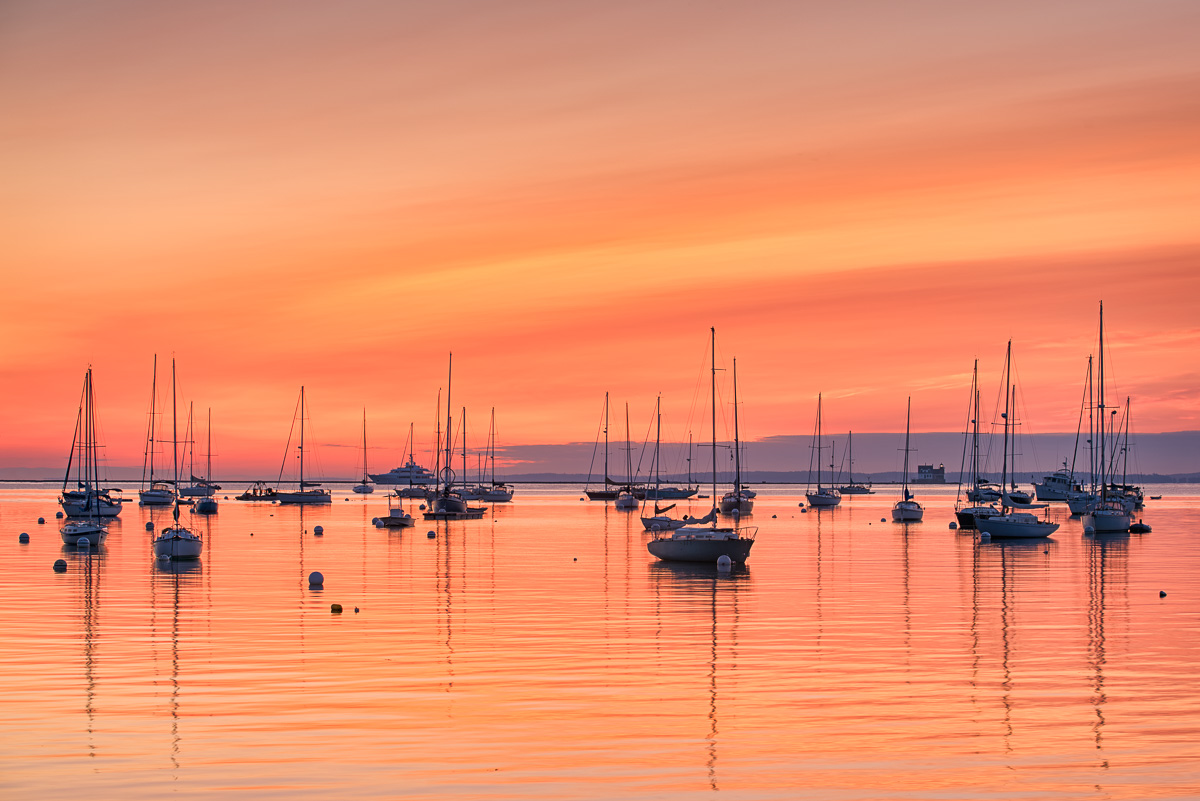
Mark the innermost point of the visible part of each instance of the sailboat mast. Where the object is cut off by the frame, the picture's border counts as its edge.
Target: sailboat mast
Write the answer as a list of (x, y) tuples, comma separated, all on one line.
[(713, 359), (464, 439), (301, 431), (628, 449), (365, 475), (208, 447), (93, 499), (449, 423), (657, 442), (850, 455), (1100, 409), (907, 427), (150, 433), (818, 442), (175, 438), (1004, 454), (737, 443), (492, 444), (191, 440), (606, 440)]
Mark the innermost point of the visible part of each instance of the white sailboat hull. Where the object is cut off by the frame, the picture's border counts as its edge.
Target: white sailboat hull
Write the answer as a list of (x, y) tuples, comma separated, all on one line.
[(71, 533), (94, 506), (907, 512), (177, 543), (1108, 521)]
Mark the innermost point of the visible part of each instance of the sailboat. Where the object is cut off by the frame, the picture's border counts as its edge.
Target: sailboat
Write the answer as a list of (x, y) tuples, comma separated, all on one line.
[(700, 539), (824, 496), (1107, 515), (89, 526), (365, 485), (626, 499), (851, 488), (611, 488), (196, 487), (448, 503), (208, 504), (153, 492), (907, 510), (496, 491), (1012, 524), (87, 499), (660, 520), (739, 500), (968, 516), (306, 492), (176, 542)]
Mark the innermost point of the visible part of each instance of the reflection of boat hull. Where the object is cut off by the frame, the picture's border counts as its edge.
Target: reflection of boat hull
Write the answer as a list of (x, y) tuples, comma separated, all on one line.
[(1018, 525), (73, 532), (310, 497), (177, 543), (701, 546)]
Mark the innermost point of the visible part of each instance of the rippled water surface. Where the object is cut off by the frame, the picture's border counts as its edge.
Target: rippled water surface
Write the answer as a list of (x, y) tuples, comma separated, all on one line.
[(543, 653)]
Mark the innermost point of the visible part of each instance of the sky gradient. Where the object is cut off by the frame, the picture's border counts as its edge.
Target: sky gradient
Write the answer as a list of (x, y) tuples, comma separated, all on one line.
[(863, 198)]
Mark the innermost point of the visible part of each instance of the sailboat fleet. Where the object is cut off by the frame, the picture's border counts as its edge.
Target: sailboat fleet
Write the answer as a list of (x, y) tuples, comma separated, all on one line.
[(1102, 498)]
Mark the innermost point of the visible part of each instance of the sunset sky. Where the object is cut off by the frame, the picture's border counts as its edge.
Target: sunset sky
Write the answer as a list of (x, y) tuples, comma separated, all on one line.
[(862, 197)]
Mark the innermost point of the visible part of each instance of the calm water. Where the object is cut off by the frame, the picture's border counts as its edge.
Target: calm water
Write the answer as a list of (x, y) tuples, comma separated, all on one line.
[(542, 653)]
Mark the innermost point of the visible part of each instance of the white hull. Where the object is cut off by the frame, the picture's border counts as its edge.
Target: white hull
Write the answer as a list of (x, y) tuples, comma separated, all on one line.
[(197, 491), (363, 489), (177, 543), (661, 523), (1018, 525), (72, 532), (85, 507), (731, 502), (907, 512), (156, 497), (1107, 521), (626, 500), (855, 489)]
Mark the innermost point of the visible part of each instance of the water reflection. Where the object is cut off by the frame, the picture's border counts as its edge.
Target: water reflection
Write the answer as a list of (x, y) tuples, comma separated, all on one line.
[(718, 591), (88, 567), (1107, 572), (172, 585)]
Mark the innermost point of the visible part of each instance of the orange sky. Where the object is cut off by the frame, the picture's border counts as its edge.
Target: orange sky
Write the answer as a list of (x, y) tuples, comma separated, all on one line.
[(861, 197)]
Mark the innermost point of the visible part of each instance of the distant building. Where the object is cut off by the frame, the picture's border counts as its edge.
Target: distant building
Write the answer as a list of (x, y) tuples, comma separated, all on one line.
[(928, 474)]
